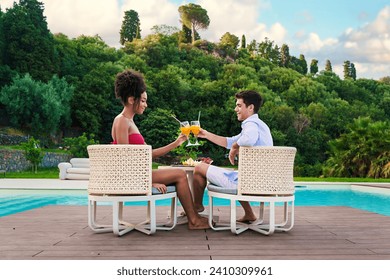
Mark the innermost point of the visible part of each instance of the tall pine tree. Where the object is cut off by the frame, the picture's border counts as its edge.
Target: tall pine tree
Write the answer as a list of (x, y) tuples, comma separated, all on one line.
[(29, 45), (131, 27), (328, 66)]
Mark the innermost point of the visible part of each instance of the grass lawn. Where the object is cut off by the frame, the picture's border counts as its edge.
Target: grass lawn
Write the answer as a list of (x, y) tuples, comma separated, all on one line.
[(47, 173), (53, 173)]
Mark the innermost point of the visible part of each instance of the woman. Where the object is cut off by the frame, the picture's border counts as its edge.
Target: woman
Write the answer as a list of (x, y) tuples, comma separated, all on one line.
[(130, 88)]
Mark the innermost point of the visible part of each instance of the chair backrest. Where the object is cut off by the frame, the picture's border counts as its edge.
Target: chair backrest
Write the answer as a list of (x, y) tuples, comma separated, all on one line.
[(266, 170), (120, 169)]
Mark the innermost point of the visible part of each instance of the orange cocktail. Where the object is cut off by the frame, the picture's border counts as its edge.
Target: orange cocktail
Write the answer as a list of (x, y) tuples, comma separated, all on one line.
[(186, 130), (195, 128)]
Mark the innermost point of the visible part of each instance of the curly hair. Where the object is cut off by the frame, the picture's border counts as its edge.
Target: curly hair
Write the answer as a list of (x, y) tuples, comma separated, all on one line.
[(129, 83)]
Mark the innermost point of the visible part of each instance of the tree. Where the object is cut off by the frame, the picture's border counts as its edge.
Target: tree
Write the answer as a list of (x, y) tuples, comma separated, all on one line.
[(314, 66), (194, 17), (159, 128), (252, 47), (131, 27), (285, 56), (385, 80), (185, 35), (33, 153), (347, 69), (363, 151), (243, 42), (328, 66), (29, 45), (165, 29), (303, 64), (2, 39), (298, 65), (268, 50), (78, 145), (37, 107), (229, 43), (352, 72)]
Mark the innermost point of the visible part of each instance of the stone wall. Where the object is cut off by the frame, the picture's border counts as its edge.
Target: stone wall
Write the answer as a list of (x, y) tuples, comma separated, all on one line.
[(6, 139), (14, 160)]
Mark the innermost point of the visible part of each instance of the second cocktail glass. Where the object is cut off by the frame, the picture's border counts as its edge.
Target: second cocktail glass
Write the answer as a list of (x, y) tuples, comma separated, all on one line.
[(195, 128)]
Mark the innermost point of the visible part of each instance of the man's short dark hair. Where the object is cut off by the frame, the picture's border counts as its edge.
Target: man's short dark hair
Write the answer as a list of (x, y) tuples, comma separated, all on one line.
[(251, 97)]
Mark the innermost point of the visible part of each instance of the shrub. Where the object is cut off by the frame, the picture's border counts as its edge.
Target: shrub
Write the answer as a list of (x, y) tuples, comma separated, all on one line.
[(33, 153), (78, 145)]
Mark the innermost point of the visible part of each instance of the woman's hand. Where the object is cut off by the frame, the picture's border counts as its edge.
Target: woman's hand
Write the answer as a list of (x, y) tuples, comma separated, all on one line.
[(161, 187), (181, 139)]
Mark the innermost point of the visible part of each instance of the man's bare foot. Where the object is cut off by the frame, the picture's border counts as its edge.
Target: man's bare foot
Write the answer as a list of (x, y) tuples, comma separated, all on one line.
[(201, 223), (247, 219)]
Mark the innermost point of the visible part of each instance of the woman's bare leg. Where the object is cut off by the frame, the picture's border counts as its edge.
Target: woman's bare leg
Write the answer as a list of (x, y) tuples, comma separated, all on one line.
[(178, 177)]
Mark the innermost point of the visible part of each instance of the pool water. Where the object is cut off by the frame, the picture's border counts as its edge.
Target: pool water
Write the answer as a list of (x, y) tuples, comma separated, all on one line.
[(14, 201)]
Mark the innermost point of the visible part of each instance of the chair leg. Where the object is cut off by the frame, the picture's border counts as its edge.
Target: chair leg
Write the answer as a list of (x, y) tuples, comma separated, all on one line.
[(92, 214), (173, 217), (260, 219), (269, 228), (216, 226), (119, 227), (286, 215), (234, 227)]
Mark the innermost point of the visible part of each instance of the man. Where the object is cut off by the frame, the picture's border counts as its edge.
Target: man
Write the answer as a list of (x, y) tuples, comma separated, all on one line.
[(254, 133)]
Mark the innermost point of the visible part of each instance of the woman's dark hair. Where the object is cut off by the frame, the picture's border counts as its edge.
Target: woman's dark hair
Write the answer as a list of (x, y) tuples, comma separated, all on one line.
[(129, 83), (251, 97)]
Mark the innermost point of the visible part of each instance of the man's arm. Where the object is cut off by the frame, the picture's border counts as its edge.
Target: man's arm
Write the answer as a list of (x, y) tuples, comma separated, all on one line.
[(233, 152), (216, 139)]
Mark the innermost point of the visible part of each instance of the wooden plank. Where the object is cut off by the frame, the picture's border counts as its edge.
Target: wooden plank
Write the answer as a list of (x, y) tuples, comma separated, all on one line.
[(62, 232)]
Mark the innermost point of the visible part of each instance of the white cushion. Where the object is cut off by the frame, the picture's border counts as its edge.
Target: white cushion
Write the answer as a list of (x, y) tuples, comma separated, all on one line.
[(76, 176), (80, 162), (219, 189), (169, 190), (77, 170)]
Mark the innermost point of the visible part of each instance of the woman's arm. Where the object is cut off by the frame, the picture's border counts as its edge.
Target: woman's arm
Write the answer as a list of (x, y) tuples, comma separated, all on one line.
[(163, 150)]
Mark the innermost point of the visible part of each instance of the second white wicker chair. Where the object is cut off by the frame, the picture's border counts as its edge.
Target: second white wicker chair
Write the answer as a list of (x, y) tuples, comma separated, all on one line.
[(265, 175), (123, 173)]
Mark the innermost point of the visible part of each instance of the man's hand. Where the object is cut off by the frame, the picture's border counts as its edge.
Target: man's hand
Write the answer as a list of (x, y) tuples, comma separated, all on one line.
[(202, 133), (233, 152)]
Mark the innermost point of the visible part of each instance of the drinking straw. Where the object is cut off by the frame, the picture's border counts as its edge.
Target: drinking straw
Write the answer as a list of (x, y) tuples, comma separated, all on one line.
[(199, 116), (175, 118)]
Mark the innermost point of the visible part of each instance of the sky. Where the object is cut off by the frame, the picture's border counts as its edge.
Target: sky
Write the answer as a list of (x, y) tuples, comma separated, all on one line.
[(338, 30)]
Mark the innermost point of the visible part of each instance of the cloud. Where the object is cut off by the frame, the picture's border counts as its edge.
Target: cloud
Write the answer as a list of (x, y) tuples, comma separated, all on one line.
[(152, 12), (74, 17), (368, 47), (239, 18)]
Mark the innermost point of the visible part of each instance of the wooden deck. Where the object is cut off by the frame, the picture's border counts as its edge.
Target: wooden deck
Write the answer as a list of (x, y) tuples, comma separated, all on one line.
[(325, 233)]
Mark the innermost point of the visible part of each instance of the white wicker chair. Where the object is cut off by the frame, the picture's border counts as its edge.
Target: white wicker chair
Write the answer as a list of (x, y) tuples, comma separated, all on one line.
[(265, 175), (122, 173)]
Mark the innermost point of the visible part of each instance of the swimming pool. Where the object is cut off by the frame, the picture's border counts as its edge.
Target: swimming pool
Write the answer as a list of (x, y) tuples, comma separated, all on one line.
[(370, 199)]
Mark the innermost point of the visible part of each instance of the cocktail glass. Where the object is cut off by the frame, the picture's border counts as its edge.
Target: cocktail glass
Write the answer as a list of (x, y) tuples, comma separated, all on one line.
[(195, 128), (185, 128)]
